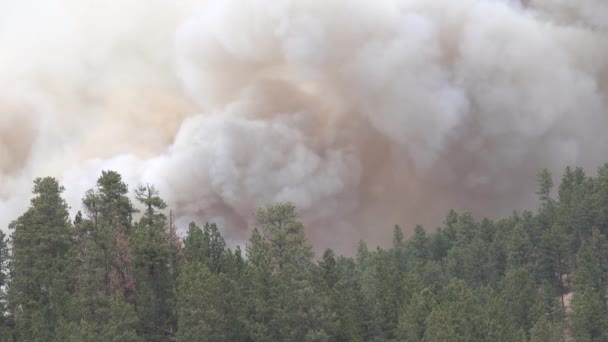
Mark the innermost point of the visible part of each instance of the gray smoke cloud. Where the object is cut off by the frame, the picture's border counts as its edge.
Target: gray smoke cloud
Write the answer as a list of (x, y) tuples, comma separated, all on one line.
[(362, 113)]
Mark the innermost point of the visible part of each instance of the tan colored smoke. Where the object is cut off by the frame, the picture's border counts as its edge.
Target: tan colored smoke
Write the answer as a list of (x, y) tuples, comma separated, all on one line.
[(363, 113)]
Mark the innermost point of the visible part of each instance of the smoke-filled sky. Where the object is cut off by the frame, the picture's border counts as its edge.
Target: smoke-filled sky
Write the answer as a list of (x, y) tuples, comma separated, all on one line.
[(363, 113)]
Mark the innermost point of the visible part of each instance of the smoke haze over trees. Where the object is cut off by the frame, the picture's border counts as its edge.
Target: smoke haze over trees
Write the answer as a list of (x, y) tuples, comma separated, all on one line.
[(358, 112), (105, 276)]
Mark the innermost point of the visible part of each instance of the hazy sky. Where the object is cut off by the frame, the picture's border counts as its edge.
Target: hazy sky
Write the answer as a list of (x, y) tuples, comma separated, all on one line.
[(363, 113)]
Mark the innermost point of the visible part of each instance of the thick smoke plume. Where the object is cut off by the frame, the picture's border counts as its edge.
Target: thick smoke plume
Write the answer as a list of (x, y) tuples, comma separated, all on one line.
[(363, 113)]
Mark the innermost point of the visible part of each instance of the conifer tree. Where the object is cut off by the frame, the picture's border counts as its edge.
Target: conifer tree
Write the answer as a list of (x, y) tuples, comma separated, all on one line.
[(200, 305), (257, 289), (106, 283), (589, 316), (6, 320), (41, 278), (297, 312), (545, 185), (151, 257)]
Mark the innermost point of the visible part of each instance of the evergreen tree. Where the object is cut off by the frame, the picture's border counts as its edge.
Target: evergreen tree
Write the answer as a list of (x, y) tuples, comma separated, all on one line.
[(412, 320), (298, 313), (456, 317), (257, 289), (41, 278), (519, 247), (520, 295), (592, 260), (589, 316), (206, 246), (418, 245), (104, 278), (348, 303), (151, 257), (200, 305), (122, 324), (496, 324), (6, 320), (545, 184), (328, 267), (231, 280), (105, 257), (546, 331), (552, 260), (382, 288), (439, 244), (397, 237)]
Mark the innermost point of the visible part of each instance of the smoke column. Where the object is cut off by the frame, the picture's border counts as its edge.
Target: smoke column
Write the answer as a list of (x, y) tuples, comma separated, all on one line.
[(362, 113)]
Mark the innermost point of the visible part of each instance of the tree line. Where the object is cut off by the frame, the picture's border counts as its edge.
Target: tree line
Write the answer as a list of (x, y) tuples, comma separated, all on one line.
[(102, 276)]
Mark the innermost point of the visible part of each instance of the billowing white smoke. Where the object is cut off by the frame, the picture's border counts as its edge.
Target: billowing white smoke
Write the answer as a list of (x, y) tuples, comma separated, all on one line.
[(363, 113)]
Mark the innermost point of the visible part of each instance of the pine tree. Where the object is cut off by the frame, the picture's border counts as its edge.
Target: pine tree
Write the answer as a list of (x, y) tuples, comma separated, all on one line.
[(520, 295), (196, 244), (151, 258), (6, 323), (552, 259), (592, 260), (297, 312), (589, 322), (416, 310), (105, 270), (206, 246), (328, 270), (496, 323), (397, 237), (110, 225), (258, 289), (348, 303), (385, 291), (545, 184), (519, 247), (104, 278), (122, 324), (41, 266), (232, 284), (456, 317), (418, 245), (546, 331), (200, 305)]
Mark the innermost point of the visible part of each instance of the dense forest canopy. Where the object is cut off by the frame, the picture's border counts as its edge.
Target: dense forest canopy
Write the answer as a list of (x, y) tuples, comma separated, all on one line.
[(103, 276)]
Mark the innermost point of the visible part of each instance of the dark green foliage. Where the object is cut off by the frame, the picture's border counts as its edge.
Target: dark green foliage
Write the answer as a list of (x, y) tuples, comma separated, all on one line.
[(105, 261), (108, 278), (121, 327), (589, 318), (282, 302), (546, 331), (41, 278), (545, 184), (416, 309), (151, 257), (346, 301), (200, 305), (521, 298), (6, 323), (454, 318), (110, 203)]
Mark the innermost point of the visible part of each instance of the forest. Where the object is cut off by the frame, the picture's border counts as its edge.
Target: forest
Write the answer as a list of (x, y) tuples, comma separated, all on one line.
[(102, 275)]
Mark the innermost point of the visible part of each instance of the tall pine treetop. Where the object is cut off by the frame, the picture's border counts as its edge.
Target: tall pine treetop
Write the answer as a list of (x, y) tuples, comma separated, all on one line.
[(110, 201)]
